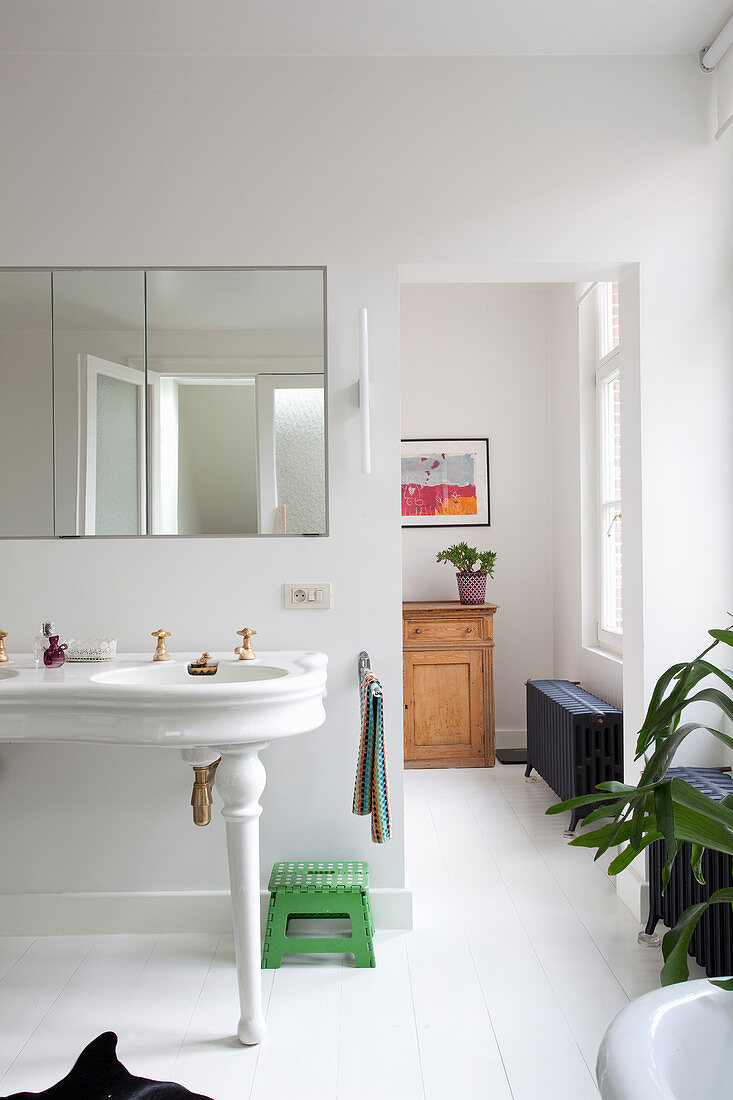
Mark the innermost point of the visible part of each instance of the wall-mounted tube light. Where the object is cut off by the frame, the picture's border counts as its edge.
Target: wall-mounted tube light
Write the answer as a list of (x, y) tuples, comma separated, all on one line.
[(364, 411), (718, 58), (712, 54)]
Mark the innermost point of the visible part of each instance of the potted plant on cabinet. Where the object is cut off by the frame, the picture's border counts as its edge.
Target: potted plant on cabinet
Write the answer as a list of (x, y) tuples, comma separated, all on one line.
[(471, 580)]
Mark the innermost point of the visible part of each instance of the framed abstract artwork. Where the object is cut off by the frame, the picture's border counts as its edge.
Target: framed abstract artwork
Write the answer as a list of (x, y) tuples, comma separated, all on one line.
[(445, 483)]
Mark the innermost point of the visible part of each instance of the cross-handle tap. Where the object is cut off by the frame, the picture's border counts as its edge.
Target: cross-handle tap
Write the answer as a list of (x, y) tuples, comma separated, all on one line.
[(161, 653), (3, 655), (245, 651)]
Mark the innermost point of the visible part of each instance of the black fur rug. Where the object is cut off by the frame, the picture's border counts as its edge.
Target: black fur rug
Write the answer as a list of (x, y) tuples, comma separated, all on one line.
[(98, 1074)]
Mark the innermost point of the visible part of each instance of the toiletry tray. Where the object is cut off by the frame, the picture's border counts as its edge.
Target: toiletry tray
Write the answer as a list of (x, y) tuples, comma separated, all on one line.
[(91, 649)]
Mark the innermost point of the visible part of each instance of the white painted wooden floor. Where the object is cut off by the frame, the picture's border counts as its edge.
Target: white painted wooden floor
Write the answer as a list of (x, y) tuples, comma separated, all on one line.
[(520, 956)]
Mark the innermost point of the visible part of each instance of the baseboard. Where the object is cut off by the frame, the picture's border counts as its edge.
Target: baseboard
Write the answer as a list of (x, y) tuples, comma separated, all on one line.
[(510, 739), (171, 911), (634, 893)]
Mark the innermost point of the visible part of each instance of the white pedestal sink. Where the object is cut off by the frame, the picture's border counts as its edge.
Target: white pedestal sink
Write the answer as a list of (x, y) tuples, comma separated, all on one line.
[(234, 714)]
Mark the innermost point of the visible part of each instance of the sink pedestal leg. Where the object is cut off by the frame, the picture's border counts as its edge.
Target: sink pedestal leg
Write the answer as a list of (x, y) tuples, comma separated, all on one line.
[(240, 781)]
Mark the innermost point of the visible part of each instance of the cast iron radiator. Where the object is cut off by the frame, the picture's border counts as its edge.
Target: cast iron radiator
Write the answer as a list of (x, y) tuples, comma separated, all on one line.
[(574, 740), (712, 940)]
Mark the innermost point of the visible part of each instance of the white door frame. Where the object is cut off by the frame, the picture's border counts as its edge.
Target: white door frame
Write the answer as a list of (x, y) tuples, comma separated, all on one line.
[(89, 367)]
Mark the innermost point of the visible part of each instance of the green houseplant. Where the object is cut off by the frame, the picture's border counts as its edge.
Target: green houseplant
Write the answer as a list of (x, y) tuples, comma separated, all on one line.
[(473, 566), (660, 808)]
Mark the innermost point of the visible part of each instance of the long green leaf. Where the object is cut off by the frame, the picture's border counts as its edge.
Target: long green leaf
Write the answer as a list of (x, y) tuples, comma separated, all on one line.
[(675, 944), (616, 787), (664, 812), (581, 800), (607, 812), (619, 831), (677, 940), (608, 835), (668, 740), (657, 696), (725, 636), (658, 764), (637, 813), (667, 869), (662, 718), (663, 714), (660, 711), (628, 855), (619, 810), (721, 673), (696, 853), (684, 794), (700, 829)]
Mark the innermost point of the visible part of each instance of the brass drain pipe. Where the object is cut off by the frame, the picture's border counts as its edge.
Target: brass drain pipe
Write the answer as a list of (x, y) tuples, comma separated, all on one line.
[(201, 795)]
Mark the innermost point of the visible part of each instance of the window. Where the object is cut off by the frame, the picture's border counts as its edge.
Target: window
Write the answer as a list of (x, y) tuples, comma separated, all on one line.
[(609, 515)]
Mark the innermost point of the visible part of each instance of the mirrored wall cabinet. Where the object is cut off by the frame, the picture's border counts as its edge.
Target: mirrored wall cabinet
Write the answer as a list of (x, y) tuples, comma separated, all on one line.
[(163, 402)]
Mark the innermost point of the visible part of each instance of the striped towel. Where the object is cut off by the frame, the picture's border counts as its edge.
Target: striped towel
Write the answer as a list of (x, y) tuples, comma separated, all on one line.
[(371, 792)]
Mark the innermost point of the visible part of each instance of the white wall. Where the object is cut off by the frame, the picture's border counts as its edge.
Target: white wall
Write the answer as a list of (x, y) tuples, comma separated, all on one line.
[(217, 459), (360, 164), (475, 363)]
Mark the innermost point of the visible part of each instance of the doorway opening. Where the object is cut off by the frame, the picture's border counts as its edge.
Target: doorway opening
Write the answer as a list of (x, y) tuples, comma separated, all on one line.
[(526, 358)]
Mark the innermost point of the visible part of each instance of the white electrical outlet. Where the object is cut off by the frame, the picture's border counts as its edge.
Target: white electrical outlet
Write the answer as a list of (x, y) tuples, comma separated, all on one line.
[(316, 595)]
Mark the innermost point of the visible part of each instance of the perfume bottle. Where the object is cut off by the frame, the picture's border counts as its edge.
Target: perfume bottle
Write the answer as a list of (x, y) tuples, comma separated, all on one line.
[(41, 643), (53, 655)]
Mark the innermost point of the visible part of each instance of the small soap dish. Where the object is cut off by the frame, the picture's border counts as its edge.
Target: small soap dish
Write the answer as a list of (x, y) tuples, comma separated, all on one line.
[(91, 649), (203, 667)]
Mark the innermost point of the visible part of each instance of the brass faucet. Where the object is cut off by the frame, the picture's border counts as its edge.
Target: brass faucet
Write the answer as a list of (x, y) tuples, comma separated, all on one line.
[(201, 795), (161, 653), (3, 655), (245, 651)]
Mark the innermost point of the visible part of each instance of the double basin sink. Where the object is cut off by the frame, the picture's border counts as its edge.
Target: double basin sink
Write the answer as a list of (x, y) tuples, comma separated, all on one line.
[(139, 702)]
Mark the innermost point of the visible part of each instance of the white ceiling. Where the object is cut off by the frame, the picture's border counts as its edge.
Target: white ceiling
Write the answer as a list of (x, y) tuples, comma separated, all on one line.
[(361, 27)]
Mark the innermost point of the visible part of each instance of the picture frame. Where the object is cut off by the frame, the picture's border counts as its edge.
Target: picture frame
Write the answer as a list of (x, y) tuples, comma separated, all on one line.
[(445, 482)]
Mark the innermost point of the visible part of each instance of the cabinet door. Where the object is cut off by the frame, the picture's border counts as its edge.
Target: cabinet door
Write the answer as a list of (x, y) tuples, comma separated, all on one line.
[(444, 708)]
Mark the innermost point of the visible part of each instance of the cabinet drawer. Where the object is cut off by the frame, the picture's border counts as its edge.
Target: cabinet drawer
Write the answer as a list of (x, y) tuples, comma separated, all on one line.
[(443, 630)]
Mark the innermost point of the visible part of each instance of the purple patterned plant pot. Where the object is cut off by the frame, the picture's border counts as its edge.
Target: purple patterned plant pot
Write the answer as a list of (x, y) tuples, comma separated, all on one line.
[(472, 587)]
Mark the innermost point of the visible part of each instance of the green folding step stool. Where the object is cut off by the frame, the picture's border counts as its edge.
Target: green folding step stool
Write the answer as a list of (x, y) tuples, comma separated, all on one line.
[(308, 891)]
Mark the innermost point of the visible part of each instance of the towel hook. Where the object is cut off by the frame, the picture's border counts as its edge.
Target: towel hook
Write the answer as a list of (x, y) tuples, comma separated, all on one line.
[(365, 662)]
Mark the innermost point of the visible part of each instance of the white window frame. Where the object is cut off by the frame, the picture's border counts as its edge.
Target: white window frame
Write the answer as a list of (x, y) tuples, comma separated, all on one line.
[(609, 508)]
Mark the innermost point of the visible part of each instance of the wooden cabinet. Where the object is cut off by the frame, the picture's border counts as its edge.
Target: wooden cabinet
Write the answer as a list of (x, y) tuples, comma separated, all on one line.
[(448, 685)]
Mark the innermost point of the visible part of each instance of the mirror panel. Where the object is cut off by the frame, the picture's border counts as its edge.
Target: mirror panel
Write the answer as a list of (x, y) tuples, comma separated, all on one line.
[(99, 402), (26, 405), (215, 340)]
